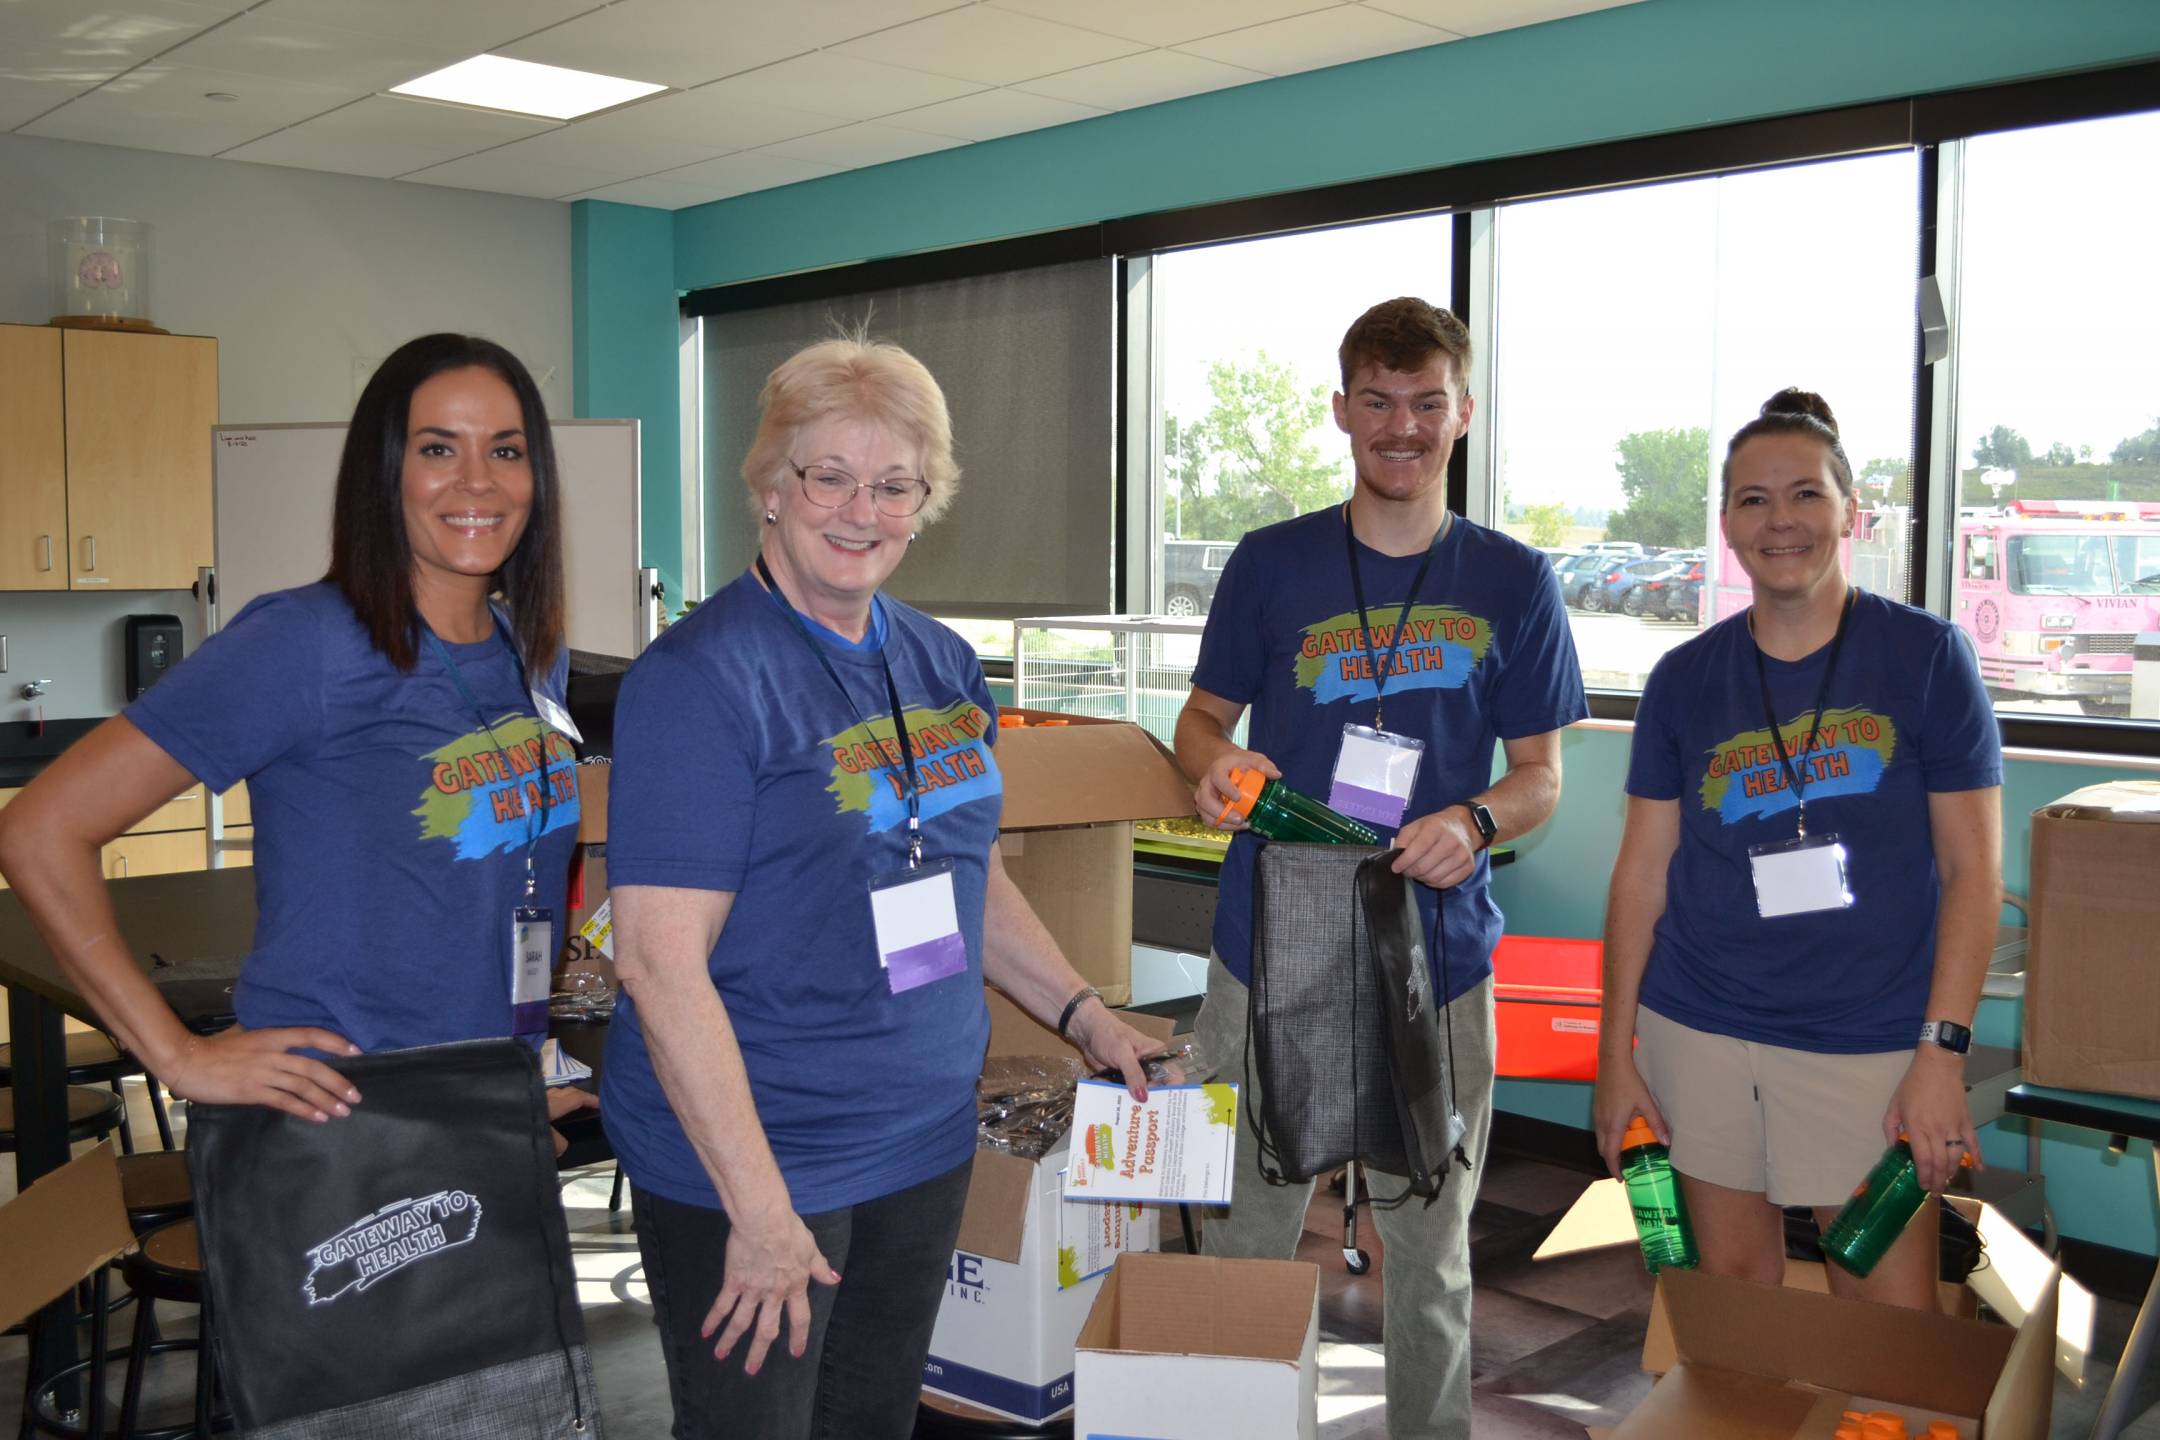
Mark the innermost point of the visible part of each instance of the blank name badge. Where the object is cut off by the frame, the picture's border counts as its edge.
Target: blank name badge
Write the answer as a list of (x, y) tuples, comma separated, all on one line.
[(1374, 774), (918, 926), (1797, 877)]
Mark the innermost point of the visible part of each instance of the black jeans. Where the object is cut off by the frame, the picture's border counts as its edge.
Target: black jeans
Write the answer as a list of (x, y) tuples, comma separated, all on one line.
[(861, 1374)]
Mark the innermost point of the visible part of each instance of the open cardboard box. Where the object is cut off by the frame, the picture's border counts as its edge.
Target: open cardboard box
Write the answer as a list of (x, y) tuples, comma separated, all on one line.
[(60, 1230), (2088, 1004), (1776, 1362), (1022, 1277), (1191, 1345), (2012, 1281), (1072, 792)]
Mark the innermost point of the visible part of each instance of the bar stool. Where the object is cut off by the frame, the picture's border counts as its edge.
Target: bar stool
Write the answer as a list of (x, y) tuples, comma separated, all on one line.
[(156, 1188), (167, 1265), (92, 1115), (93, 1059)]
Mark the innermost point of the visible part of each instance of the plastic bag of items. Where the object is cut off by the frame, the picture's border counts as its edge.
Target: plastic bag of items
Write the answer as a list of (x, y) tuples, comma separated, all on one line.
[(1024, 1103)]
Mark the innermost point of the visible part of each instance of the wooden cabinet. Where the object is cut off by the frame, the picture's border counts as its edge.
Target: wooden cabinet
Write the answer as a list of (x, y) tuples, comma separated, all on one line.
[(161, 854), (105, 466), (33, 461)]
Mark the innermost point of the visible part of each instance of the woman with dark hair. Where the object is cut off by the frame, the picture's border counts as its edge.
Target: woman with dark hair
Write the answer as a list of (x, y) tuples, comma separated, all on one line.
[(399, 727), (1806, 894)]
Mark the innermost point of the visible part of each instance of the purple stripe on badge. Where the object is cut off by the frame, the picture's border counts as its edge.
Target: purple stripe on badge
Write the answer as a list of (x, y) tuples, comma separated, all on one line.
[(529, 1019), (1376, 807), (921, 964)]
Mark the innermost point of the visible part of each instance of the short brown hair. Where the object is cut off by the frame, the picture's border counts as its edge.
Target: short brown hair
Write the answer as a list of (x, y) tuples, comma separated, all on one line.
[(1793, 411), (1403, 335)]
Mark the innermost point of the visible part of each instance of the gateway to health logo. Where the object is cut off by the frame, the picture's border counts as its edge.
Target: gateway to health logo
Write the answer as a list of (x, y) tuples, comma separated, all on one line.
[(377, 1246)]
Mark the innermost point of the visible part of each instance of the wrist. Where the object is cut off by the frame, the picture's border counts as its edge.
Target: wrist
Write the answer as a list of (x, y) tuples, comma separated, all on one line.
[(1069, 1019), (1931, 1056)]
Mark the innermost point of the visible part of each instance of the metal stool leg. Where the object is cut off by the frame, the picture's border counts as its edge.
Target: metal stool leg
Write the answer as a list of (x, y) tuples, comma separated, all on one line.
[(157, 1109), (614, 1199), (205, 1368), (127, 1132)]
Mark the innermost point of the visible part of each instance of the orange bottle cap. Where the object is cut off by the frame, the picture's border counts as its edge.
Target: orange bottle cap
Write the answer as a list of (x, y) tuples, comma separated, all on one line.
[(1012, 722), (1052, 722), (1248, 784), (1638, 1133), (1941, 1430)]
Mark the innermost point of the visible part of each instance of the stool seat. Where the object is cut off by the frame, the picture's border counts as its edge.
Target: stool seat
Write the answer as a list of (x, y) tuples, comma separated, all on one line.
[(156, 1188), (171, 1254), (92, 1114), (86, 1050)]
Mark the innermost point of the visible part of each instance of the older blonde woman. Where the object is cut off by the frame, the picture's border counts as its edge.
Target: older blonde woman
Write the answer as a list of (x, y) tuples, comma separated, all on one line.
[(806, 909)]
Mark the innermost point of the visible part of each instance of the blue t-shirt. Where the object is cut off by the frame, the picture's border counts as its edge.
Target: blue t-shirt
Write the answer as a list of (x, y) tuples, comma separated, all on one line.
[(389, 843), (740, 766), (1488, 658), (1906, 716)]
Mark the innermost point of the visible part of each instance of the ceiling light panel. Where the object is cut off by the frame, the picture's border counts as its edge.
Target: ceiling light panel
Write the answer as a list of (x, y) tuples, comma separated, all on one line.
[(496, 82)]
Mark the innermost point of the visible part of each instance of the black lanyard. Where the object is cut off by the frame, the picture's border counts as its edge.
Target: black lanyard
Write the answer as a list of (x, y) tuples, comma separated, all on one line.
[(892, 695), (1402, 621), (547, 788), (1796, 778)]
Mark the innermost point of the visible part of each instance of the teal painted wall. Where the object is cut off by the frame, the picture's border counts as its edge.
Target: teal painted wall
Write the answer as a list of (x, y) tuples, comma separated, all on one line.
[(1557, 887), (624, 326), (1649, 68)]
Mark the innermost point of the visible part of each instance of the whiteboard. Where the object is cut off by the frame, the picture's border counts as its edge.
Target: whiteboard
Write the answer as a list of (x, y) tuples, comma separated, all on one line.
[(276, 484)]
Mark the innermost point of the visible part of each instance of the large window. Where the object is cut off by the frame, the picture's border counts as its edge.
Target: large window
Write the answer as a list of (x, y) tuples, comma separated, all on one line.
[(1637, 329), (1244, 363), (2056, 542)]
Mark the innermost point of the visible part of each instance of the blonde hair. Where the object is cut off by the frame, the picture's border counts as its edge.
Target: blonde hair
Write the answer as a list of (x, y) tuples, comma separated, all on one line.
[(852, 378)]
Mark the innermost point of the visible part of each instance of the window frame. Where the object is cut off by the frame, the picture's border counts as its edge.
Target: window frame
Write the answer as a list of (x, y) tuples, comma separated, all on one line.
[(1931, 123)]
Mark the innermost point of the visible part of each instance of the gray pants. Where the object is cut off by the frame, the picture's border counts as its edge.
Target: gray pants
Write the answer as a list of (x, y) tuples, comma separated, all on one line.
[(1426, 1266)]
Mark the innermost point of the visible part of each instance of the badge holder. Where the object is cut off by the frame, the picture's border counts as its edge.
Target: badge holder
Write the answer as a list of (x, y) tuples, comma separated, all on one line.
[(1800, 877), (918, 926), (532, 960), (1375, 772)]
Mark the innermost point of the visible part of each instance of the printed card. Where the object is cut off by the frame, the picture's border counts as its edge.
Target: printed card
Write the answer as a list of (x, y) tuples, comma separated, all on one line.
[(1176, 1146), (1090, 1238)]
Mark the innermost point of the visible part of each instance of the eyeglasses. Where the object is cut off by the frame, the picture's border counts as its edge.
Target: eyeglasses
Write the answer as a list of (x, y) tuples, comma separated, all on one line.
[(824, 486)]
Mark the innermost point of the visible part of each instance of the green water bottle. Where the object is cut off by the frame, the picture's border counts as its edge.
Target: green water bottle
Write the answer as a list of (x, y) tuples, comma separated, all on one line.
[(1272, 809), (1653, 1192), (1877, 1213)]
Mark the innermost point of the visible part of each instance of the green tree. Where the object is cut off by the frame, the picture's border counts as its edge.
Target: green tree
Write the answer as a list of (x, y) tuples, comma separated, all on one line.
[(2140, 449), (1665, 475), (2059, 454), (2002, 449), (1887, 478), (1548, 522), (1252, 459)]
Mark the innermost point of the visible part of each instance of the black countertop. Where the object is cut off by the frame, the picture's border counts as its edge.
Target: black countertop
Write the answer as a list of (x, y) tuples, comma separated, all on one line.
[(28, 746)]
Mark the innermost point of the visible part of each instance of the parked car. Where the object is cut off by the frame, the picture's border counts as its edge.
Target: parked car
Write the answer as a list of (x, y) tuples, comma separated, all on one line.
[(1611, 591), (1191, 571), (1614, 547), (1582, 574), (1652, 591), (1681, 595)]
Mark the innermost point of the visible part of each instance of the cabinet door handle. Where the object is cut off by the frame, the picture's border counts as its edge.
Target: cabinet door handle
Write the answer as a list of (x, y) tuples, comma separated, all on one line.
[(90, 546), (45, 544), (121, 861)]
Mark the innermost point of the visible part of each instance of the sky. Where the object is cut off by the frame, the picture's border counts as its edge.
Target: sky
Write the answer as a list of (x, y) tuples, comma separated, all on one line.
[(1687, 304)]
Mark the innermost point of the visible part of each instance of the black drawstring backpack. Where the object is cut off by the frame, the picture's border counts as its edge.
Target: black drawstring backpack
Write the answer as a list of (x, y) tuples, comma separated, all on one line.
[(1352, 1052), (401, 1271)]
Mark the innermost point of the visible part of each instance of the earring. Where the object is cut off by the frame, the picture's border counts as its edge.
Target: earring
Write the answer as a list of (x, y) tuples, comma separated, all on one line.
[(911, 536), (771, 518), (1847, 532)]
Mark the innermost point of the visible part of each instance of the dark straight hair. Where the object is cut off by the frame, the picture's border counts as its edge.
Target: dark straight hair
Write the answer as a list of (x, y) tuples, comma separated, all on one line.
[(371, 557)]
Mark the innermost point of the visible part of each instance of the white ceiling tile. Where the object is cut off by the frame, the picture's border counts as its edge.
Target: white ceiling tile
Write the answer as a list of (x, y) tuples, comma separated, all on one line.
[(386, 135), (1144, 79), (841, 86), (740, 174), (1163, 22), (160, 106), (465, 26), (510, 174), (652, 193), (717, 117), (989, 114), (688, 42), (994, 47), (594, 145), (36, 75), (1312, 42), (1483, 17), (140, 27), (258, 43), (866, 144)]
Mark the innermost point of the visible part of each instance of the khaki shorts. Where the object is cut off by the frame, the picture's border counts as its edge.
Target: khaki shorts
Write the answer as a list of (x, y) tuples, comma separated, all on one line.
[(1798, 1127)]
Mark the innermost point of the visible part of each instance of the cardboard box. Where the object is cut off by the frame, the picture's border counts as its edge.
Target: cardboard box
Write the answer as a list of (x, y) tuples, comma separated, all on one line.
[(1028, 1262), (586, 945), (592, 781), (1773, 1362), (2014, 1281), (1180, 1347), (59, 1231), (2091, 987), (1072, 791)]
